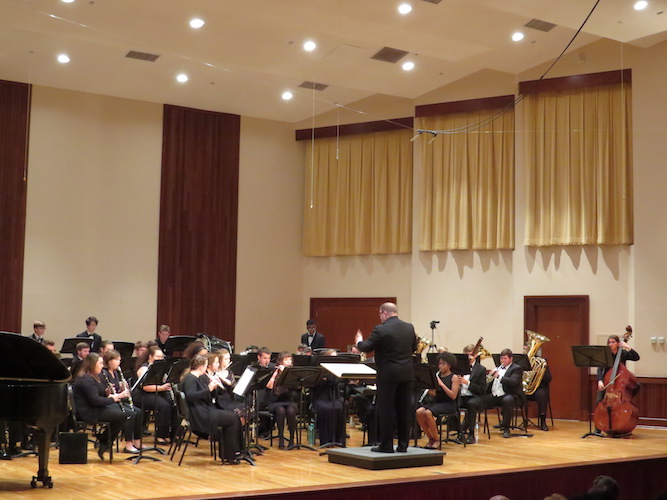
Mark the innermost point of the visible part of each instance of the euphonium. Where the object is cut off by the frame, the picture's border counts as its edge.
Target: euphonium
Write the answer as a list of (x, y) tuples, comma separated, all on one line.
[(533, 378), (422, 345)]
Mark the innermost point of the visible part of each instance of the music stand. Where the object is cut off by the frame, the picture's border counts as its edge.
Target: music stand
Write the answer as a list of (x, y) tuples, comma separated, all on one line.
[(592, 356), (302, 360), (253, 379), (125, 349), (239, 362), (519, 359), (177, 343), (155, 376), (462, 366), (301, 377), (69, 344)]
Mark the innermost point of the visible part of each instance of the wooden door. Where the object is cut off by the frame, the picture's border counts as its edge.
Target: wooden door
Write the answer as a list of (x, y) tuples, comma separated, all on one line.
[(565, 321), (339, 318)]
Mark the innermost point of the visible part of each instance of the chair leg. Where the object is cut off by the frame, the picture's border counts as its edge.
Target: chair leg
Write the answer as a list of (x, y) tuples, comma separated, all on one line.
[(551, 415)]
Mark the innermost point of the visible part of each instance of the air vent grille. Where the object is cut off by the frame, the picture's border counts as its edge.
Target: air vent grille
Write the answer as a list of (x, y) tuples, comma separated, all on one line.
[(387, 54), (538, 25), (142, 56), (433, 1), (313, 85)]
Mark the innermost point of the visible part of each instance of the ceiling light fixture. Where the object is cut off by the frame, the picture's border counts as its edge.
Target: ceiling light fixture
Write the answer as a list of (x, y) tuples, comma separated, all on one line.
[(408, 66), (68, 1), (404, 8), (182, 78), (517, 36), (309, 46), (196, 23), (641, 5), (287, 95), (63, 58)]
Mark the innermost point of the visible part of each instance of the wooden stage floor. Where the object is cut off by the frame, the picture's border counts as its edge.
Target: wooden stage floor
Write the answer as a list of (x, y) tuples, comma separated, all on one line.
[(302, 472)]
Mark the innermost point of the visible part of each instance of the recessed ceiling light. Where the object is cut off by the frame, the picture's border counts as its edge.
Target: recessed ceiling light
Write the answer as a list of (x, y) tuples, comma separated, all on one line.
[(63, 58), (68, 1), (641, 5), (196, 23), (517, 36), (287, 95), (405, 8), (309, 46), (408, 66), (182, 78)]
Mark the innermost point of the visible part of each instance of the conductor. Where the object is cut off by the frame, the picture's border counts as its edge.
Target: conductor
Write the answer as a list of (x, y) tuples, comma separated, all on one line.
[(394, 341)]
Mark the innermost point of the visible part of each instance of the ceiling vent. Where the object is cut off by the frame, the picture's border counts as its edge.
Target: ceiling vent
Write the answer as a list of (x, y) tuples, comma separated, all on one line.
[(387, 54), (142, 56), (538, 25), (313, 85), (433, 1)]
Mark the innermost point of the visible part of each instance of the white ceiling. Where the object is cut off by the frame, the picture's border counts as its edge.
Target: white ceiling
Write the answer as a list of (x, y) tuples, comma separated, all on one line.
[(250, 51)]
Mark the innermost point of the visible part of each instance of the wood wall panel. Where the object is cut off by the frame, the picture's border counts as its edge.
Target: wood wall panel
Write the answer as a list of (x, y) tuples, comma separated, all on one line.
[(14, 121), (198, 222)]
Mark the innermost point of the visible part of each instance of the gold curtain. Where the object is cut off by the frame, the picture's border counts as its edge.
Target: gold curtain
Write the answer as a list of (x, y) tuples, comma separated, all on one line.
[(468, 190), (579, 167), (358, 198)]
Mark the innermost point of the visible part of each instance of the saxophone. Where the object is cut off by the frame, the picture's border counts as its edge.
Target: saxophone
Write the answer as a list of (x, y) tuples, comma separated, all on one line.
[(533, 378)]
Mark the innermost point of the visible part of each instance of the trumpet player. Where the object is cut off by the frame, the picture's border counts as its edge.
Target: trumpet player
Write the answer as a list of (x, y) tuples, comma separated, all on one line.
[(506, 391), (472, 385), (116, 384)]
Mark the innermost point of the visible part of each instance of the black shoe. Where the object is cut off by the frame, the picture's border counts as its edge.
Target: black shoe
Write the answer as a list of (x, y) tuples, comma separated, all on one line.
[(13, 451), (543, 424), (377, 449), (497, 426), (27, 445), (5, 455), (104, 447), (147, 432), (402, 449), (469, 439), (506, 433)]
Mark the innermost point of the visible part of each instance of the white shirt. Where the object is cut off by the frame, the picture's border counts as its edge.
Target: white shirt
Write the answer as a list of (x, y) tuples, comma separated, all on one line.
[(465, 388), (497, 388)]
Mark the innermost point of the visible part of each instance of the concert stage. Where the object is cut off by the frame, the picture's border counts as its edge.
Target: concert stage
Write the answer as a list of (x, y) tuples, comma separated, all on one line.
[(521, 468)]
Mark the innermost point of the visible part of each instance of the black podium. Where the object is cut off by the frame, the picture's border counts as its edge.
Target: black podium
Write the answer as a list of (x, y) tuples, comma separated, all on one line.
[(592, 356)]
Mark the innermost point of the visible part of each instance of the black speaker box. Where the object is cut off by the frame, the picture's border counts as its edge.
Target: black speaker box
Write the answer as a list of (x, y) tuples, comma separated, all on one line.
[(73, 448)]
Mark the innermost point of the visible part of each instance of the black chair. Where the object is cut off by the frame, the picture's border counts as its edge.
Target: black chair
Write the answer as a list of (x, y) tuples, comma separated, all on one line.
[(96, 428), (444, 421), (184, 432)]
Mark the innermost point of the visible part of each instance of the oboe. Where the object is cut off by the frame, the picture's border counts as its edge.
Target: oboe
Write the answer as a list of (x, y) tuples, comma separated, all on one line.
[(111, 389), (124, 384)]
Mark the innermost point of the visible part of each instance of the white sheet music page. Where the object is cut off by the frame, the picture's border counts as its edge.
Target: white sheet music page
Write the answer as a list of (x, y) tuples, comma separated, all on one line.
[(350, 370)]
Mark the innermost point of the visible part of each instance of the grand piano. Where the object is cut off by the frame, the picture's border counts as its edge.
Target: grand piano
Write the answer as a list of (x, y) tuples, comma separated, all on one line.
[(33, 390)]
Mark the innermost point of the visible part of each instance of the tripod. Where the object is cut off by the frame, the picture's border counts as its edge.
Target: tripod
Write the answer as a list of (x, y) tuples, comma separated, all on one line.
[(592, 356), (432, 347)]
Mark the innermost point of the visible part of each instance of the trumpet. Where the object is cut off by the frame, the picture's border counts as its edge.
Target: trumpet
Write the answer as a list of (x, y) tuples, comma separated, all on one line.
[(126, 387)]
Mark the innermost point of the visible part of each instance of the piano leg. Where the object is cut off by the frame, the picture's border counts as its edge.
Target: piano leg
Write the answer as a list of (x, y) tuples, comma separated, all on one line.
[(43, 442)]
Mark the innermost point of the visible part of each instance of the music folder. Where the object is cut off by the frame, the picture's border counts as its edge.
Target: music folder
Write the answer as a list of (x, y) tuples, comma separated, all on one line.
[(352, 371)]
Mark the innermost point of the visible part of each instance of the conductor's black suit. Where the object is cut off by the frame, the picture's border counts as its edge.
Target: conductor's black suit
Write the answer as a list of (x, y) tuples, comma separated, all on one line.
[(394, 342)]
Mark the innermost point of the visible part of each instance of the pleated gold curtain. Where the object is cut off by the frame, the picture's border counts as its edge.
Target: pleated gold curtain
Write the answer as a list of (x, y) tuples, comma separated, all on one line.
[(468, 190), (358, 198), (579, 167)]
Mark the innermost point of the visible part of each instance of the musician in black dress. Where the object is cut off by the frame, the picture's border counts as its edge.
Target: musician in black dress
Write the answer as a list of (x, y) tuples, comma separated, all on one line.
[(152, 397), (94, 405), (444, 398), (218, 366), (116, 384), (205, 418), (329, 407), (472, 385), (281, 401)]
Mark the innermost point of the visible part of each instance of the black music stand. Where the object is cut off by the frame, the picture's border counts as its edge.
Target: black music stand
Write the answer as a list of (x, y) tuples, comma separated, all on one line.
[(302, 360), (69, 344), (592, 356), (301, 377), (177, 343), (462, 366), (125, 349), (253, 379), (155, 376), (239, 362)]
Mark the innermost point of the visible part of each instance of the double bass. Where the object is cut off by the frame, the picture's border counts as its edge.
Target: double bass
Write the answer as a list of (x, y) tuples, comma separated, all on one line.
[(617, 414)]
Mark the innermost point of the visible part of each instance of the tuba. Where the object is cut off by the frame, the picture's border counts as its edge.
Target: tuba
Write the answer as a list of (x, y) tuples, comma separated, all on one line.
[(533, 378)]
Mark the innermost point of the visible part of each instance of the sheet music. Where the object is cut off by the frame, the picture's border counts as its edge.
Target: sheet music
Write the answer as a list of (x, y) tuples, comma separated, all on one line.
[(350, 370), (242, 384)]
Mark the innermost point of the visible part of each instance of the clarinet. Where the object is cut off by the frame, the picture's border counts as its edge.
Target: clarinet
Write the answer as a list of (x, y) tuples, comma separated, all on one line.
[(112, 389), (171, 390), (126, 386)]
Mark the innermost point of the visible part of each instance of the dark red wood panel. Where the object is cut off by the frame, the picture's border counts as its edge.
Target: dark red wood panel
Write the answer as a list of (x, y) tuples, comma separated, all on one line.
[(306, 134), (565, 83), (14, 122), (467, 106), (198, 222)]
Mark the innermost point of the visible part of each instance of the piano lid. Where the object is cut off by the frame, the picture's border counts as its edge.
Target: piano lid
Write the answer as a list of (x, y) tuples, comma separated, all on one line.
[(21, 358)]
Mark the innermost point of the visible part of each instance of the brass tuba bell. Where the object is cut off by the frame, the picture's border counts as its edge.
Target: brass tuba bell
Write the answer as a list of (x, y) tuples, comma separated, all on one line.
[(533, 378)]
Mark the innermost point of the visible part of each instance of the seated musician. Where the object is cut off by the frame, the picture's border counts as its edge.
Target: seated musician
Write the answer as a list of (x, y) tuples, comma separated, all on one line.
[(472, 385), (206, 418), (93, 404), (541, 395), (444, 398), (105, 346), (82, 350), (157, 398), (162, 336), (328, 404), (51, 346), (116, 384), (281, 402), (218, 366), (506, 392), (196, 348)]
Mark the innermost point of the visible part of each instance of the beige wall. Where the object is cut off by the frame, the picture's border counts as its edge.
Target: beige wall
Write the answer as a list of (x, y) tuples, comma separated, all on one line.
[(92, 214)]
